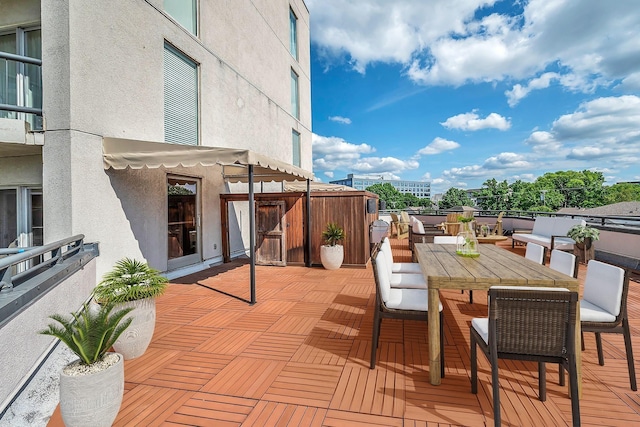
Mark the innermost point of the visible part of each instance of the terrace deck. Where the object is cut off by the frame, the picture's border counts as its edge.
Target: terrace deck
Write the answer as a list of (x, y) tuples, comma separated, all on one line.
[(300, 357)]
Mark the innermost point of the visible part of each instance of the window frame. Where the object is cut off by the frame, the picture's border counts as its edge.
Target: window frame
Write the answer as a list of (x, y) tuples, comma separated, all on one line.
[(296, 148), (293, 33), (295, 94)]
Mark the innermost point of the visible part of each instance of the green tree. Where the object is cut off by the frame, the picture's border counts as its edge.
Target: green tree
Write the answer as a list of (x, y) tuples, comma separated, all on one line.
[(622, 192), (387, 192), (455, 197), (494, 195)]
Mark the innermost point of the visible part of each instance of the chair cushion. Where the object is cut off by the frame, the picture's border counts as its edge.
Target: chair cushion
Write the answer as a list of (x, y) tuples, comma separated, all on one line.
[(409, 299), (383, 276), (481, 325), (603, 286), (564, 262), (406, 267), (411, 281), (418, 227), (592, 313)]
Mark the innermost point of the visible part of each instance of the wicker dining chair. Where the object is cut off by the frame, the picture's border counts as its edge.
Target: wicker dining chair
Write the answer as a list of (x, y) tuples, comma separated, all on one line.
[(603, 309), (406, 304), (535, 324)]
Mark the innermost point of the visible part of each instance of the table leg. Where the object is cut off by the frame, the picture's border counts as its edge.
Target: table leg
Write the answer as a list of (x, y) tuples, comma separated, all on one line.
[(578, 350), (434, 336)]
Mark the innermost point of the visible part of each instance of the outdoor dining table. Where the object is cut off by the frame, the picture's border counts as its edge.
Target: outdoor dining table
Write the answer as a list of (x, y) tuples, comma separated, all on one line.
[(444, 269)]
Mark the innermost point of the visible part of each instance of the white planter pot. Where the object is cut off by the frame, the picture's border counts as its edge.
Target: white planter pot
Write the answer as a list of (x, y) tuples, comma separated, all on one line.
[(331, 256), (93, 399), (137, 337)]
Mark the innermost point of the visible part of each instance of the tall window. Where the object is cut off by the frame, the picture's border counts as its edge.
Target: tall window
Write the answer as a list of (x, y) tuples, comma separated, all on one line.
[(20, 83), (295, 98), (293, 34), (180, 98), (295, 143), (185, 12)]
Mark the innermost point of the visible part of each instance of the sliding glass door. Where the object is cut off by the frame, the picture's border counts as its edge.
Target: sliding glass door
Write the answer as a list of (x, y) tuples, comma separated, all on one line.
[(183, 221)]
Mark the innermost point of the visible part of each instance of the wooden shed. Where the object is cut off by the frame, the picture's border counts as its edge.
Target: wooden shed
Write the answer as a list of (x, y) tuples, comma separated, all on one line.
[(281, 225)]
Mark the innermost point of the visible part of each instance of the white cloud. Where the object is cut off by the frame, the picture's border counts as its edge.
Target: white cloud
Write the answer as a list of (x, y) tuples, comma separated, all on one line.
[(518, 92), (437, 146), (443, 42), (340, 119), (334, 153), (471, 121), (506, 161), (329, 174)]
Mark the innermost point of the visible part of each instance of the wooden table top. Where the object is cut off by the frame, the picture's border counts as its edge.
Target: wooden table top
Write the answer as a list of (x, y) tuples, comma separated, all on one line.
[(444, 269), (491, 238)]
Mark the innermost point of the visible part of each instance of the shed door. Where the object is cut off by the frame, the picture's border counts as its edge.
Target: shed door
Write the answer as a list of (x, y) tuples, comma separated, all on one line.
[(271, 239)]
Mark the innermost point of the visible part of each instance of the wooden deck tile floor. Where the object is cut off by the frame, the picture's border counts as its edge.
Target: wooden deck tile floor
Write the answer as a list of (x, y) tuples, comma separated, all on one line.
[(300, 357)]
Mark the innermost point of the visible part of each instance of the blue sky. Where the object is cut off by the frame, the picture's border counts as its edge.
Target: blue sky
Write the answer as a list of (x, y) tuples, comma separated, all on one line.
[(456, 92)]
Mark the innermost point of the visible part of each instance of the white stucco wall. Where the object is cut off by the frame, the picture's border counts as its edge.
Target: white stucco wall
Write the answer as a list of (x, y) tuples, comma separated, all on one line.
[(21, 343), (103, 76)]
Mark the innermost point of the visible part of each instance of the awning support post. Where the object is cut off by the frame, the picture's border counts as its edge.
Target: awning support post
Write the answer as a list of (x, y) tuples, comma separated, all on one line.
[(308, 228), (252, 237)]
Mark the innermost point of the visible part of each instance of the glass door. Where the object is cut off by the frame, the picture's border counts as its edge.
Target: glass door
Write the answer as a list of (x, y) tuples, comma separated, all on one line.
[(183, 222)]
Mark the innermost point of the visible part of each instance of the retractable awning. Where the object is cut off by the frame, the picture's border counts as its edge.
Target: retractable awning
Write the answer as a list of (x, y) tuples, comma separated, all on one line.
[(121, 153), (238, 166)]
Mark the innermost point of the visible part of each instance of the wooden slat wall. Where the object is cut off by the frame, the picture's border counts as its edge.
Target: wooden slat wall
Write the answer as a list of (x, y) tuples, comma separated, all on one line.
[(348, 209)]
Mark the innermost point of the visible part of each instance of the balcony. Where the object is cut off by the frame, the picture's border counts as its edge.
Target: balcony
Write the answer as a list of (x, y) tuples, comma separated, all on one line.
[(300, 356), (20, 90)]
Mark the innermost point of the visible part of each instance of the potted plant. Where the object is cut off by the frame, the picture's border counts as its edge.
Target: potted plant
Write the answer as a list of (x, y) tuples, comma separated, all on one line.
[(92, 387), (132, 283), (584, 237), (332, 253)]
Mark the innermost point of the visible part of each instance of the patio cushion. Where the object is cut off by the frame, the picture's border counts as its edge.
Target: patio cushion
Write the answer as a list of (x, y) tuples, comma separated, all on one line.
[(482, 326), (603, 286), (418, 227), (409, 299), (398, 267), (592, 313), (407, 280)]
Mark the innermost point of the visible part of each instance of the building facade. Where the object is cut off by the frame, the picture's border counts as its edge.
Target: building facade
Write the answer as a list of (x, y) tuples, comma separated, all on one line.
[(419, 189), (76, 75)]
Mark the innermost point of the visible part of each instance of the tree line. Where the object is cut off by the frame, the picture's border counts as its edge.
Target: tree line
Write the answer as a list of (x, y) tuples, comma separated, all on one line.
[(548, 193)]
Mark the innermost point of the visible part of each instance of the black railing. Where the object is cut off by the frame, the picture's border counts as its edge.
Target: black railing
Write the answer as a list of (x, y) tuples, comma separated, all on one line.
[(22, 61), (25, 276)]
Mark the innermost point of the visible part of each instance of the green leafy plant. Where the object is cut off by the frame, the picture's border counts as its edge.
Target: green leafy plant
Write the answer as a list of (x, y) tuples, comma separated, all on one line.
[(90, 333), (130, 280), (333, 234), (465, 218), (581, 232)]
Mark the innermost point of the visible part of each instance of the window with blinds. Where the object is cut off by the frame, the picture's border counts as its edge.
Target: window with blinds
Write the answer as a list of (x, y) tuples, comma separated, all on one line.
[(295, 143), (295, 104), (180, 98)]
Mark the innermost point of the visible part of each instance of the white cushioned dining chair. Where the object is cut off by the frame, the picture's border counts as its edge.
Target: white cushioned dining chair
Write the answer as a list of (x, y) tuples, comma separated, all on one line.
[(603, 308), (391, 303), (398, 267), (535, 252), (564, 262), (402, 280), (544, 332), (451, 240)]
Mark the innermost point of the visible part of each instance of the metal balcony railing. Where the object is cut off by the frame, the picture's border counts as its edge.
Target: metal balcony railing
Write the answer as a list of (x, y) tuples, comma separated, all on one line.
[(25, 276), (22, 77)]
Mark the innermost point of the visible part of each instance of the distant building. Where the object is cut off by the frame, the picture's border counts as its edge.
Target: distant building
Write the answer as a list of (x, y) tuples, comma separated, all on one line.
[(419, 189)]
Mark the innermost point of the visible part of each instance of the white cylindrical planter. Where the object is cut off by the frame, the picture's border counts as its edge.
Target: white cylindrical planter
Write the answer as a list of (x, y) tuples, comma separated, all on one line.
[(137, 337), (92, 399), (331, 256)]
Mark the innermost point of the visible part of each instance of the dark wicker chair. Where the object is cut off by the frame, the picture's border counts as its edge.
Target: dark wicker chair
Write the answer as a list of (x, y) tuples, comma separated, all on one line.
[(536, 324), (406, 304), (603, 309)]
